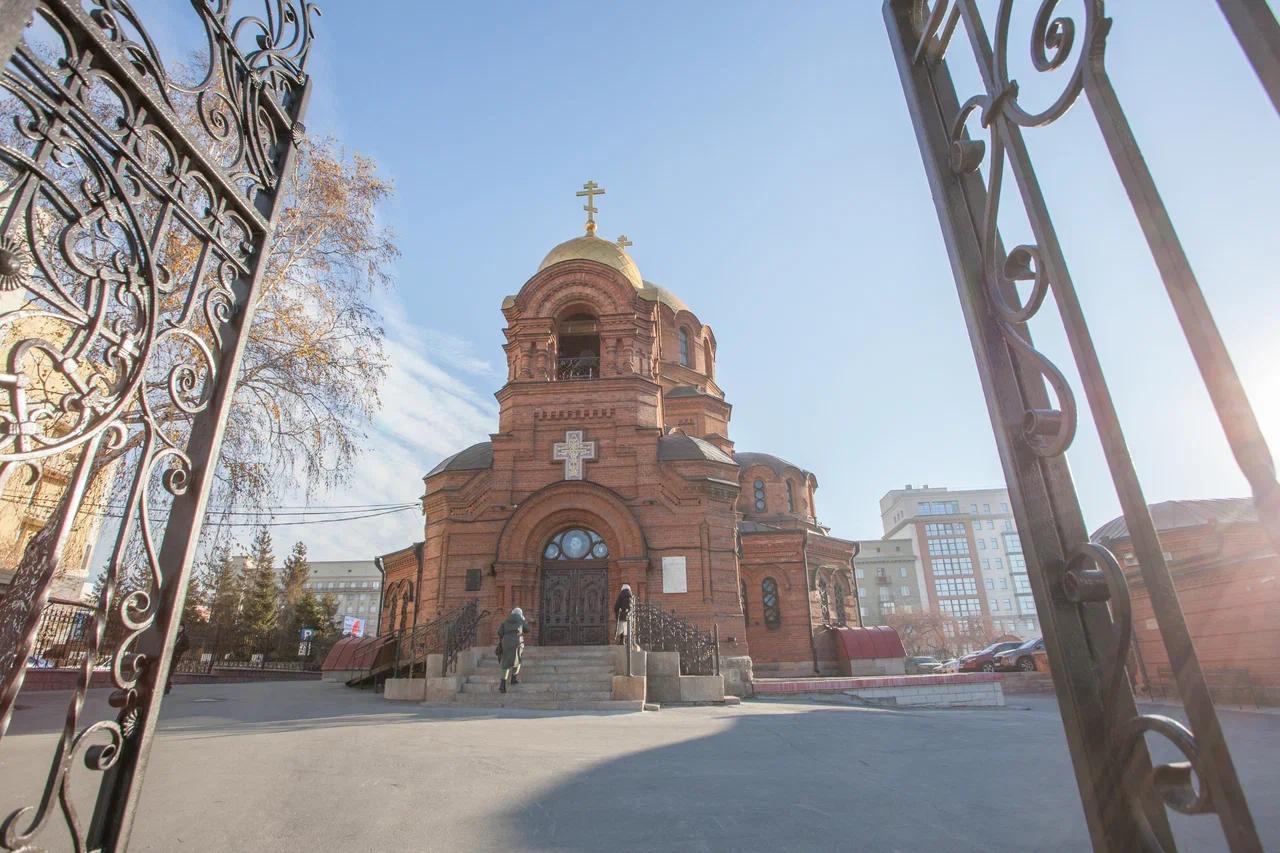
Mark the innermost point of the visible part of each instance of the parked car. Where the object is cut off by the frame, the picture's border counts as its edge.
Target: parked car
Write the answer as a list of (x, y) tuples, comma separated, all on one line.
[(952, 665), (984, 661), (1020, 657), (922, 664)]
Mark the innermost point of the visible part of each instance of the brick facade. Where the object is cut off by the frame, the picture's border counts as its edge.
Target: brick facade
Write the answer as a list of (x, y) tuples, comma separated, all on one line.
[(593, 349), (1227, 577)]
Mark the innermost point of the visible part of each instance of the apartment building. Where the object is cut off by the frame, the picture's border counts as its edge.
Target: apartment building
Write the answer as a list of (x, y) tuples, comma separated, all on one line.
[(969, 560), (888, 580)]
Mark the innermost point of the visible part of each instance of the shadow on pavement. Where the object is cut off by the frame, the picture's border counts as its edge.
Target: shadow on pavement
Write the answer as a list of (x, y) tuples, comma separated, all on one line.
[(821, 779)]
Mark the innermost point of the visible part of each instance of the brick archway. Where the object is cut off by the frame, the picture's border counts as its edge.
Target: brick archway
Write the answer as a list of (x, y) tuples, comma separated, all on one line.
[(570, 503)]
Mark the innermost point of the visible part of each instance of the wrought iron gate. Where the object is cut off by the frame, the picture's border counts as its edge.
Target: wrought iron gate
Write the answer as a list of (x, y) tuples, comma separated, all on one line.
[(1080, 590), (137, 199)]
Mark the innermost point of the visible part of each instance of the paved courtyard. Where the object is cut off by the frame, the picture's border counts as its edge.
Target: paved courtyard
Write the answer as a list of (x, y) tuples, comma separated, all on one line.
[(311, 766)]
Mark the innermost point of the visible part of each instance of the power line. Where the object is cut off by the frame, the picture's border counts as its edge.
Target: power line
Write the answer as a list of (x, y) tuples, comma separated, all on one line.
[(317, 521), (339, 509), (375, 511)]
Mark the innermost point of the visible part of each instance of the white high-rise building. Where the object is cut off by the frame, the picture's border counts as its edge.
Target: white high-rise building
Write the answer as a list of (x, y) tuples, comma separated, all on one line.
[(969, 559)]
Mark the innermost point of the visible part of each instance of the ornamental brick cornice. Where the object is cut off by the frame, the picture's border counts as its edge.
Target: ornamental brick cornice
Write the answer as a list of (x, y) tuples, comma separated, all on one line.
[(558, 286), (633, 382)]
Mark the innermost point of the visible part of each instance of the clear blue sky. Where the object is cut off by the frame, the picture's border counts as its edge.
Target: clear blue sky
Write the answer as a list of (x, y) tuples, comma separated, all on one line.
[(761, 157)]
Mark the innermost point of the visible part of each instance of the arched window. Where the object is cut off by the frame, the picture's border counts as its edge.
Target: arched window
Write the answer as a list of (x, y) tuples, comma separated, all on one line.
[(742, 595), (824, 601), (710, 360), (576, 543), (769, 600), (842, 617), (759, 491), (578, 347), (791, 497), (686, 357)]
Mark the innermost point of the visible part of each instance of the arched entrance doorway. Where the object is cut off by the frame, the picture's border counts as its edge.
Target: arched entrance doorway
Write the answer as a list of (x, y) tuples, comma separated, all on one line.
[(574, 589)]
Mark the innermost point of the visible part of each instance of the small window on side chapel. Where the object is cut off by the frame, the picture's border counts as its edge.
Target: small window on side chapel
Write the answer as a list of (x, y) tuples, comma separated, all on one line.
[(685, 358), (791, 497), (769, 600), (842, 618), (742, 591), (758, 486)]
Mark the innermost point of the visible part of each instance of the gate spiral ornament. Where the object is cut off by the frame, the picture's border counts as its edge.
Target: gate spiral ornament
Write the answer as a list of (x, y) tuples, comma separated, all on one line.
[(136, 208), (1081, 592)]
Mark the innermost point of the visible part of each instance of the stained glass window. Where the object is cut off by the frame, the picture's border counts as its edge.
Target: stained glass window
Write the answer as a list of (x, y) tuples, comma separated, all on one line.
[(576, 543), (769, 598)]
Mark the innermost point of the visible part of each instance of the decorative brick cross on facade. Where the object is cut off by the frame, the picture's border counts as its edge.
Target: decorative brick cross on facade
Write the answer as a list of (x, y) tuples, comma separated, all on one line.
[(573, 451)]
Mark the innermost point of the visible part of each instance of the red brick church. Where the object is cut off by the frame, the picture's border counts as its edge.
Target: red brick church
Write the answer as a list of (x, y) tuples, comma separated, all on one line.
[(612, 463)]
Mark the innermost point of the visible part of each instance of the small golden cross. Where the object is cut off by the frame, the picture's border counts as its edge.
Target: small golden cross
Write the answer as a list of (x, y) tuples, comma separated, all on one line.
[(623, 242), (590, 190)]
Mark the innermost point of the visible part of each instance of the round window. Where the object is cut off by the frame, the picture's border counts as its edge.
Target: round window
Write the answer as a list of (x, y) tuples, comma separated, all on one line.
[(553, 551), (576, 544), (599, 550)]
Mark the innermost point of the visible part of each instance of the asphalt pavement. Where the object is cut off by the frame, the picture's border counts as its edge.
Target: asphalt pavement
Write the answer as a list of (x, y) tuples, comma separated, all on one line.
[(316, 767)]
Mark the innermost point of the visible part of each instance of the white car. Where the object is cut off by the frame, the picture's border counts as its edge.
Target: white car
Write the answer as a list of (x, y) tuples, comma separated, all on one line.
[(952, 665)]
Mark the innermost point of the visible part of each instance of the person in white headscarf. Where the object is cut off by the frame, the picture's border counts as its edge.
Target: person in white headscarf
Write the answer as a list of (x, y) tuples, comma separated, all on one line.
[(511, 640), (622, 612)]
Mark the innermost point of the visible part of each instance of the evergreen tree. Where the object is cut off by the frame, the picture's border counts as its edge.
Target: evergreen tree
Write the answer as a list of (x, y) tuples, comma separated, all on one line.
[(310, 613), (329, 610), (260, 600), (224, 601), (292, 583), (195, 609)]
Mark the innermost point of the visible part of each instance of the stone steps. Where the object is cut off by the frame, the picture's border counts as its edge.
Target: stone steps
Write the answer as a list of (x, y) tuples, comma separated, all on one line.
[(560, 669), (545, 687), (559, 677), (512, 700), (528, 676)]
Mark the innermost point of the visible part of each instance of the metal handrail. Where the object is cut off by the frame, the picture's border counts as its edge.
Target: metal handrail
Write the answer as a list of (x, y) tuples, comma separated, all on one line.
[(460, 633), (654, 629)]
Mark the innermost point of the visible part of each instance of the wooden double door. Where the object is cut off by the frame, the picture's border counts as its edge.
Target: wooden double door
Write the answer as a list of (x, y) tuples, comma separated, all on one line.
[(575, 604)]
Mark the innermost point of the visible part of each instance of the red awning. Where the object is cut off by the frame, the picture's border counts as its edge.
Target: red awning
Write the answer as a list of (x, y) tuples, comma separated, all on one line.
[(879, 641), (353, 653)]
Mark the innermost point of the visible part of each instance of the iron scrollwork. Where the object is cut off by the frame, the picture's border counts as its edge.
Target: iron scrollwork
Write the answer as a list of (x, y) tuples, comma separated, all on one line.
[(135, 211), (1034, 433), (654, 629), (460, 633)]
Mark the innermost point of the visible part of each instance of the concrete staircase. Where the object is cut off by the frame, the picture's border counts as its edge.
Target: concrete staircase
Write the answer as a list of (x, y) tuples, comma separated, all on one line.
[(551, 677)]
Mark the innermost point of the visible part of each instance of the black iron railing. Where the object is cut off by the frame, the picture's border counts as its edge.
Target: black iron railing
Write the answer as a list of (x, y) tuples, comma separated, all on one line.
[(460, 633), (413, 644), (580, 367), (62, 638), (655, 630)]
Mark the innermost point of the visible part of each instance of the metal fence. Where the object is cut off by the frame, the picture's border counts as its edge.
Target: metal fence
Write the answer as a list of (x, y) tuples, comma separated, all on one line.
[(655, 630), (971, 143)]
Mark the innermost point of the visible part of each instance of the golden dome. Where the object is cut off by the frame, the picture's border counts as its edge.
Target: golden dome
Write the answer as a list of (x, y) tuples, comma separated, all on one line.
[(658, 293), (588, 248)]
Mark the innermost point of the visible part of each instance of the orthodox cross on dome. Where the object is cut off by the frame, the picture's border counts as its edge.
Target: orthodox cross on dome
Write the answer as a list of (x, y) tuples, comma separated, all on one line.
[(590, 190), (623, 241), (573, 451)]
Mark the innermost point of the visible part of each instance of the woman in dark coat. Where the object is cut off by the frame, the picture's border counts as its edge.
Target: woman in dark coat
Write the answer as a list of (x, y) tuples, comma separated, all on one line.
[(511, 635), (622, 612)]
